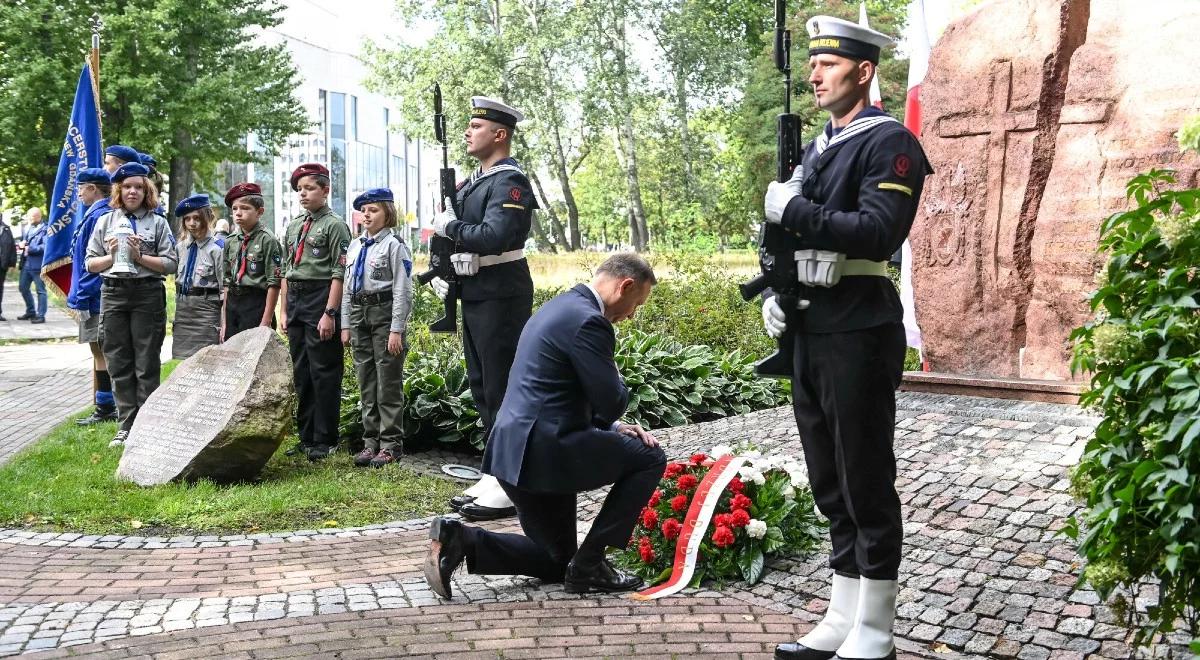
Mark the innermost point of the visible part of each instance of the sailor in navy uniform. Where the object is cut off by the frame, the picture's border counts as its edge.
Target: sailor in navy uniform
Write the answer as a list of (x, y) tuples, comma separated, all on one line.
[(490, 220), (851, 203)]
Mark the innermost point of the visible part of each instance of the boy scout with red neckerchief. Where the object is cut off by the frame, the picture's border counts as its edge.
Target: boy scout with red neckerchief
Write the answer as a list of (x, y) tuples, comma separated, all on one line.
[(253, 264), (314, 266)]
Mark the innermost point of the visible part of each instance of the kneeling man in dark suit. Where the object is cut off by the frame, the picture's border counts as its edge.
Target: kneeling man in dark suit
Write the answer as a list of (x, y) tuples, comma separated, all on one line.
[(557, 435)]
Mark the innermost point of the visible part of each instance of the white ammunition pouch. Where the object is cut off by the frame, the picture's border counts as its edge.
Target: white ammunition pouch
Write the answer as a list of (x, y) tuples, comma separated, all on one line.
[(825, 268)]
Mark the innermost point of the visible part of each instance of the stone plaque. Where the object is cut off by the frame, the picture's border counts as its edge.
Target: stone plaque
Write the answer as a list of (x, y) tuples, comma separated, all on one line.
[(220, 416), (1033, 118)]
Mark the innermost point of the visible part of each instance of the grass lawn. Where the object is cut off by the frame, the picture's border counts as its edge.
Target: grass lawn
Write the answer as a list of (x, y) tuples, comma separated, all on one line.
[(66, 482)]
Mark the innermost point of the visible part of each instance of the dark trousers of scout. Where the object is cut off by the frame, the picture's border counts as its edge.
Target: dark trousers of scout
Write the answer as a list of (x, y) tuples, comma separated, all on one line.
[(548, 519), (244, 309), (133, 322), (491, 329), (844, 396), (316, 365), (380, 374)]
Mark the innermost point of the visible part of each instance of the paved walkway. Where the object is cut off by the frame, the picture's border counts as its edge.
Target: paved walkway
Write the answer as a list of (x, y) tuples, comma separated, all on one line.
[(57, 326), (40, 384), (985, 573)]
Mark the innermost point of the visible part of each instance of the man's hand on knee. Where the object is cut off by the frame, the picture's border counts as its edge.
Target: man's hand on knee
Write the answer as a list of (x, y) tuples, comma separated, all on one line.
[(636, 431)]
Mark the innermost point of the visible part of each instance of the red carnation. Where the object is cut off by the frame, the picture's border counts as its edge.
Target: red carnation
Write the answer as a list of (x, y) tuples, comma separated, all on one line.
[(647, 554), (736, 485), (723, 537), (650, 518), (721, 520), (673, 470), (697, 459), (687, 482), (671, 528), (739, 518), (740, 502), (655, 498), (643, 541), (679, 503)]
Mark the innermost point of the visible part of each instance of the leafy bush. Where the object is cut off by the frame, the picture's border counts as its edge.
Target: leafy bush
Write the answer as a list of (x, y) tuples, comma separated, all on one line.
[(1140, 474)]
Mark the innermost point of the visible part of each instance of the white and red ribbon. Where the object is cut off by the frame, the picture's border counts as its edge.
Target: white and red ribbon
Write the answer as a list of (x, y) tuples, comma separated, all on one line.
[(695, 524)]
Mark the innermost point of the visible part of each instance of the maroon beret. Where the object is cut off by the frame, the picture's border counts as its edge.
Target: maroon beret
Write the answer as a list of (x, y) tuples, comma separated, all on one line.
[(241, 190), (308, 169)]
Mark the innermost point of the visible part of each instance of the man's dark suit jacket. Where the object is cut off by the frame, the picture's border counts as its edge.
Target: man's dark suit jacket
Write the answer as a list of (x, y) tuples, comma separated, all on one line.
[(553, 432)]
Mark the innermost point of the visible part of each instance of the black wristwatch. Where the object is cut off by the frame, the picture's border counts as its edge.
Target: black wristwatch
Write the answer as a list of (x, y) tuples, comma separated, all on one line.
[(332, 312)]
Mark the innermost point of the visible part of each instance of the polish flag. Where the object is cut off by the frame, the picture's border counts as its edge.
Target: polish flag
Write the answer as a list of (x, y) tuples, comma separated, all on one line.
[(876, 97), (918, 48)]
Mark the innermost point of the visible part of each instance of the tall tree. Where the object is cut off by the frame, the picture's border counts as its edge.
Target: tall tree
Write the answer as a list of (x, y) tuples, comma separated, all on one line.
[(185, 80)]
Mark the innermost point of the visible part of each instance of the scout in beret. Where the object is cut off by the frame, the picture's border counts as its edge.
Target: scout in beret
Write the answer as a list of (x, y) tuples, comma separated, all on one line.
[(197, 281), (376, 303), (147, 160), (849, 215), (117, 155), (94, 188), (253, 264), (314, 267), (133, 306)]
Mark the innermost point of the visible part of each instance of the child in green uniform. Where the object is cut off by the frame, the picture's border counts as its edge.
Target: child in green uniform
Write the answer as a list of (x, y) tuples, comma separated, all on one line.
[(133, 304), (376, 302), (197, 280), (253, 262), (315, 263)]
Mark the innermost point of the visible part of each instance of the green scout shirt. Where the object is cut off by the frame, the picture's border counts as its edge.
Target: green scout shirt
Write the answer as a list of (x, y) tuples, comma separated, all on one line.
[(323, 256), (263, 259)]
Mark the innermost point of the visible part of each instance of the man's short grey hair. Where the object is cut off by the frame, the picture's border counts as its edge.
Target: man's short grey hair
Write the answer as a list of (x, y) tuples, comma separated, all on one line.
[(628, 265)]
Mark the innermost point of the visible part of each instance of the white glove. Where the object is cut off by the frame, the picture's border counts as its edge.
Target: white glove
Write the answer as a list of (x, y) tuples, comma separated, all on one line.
[(444, 218), (774, 318), (796, 183), (465, 264), (776, 200), (440, 287)]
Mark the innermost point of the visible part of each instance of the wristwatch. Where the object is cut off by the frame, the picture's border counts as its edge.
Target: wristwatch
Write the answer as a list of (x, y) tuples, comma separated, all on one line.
[(331, 312)]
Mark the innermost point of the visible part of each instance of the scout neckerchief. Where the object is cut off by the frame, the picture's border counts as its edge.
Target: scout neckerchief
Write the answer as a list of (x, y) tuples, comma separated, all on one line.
[(360, 263), (303, 235), (862, 123), (190, 268), (242, 257)]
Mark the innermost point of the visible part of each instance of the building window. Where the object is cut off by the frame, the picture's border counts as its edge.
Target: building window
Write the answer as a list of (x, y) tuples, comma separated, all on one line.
[(337, 152)]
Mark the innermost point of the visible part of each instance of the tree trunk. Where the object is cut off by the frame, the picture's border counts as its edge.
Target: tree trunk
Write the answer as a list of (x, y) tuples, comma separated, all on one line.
[(685, 136), (539, 234), (182, 176), (626, 145), (564, 180)]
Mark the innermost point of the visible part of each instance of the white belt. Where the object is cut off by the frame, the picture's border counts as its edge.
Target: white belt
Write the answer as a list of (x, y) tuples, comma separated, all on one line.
[(486, 260), (864, 267)]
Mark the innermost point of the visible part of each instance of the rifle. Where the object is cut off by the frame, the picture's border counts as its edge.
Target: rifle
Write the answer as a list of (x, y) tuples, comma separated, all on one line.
[(775, 246), (440, 247)]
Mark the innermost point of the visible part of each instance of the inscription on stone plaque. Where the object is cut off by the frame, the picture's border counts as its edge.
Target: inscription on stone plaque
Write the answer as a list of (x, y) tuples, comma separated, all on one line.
[(220, 415)]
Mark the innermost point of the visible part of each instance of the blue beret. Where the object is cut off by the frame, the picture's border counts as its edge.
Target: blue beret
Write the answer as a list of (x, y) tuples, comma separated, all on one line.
[(189, 204), (93, 175), (127, 154), (130, 169), (147, 160), (373, 195)]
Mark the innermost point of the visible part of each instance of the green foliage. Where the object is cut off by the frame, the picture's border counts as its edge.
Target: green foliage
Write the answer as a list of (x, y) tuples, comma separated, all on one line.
[(1140, 474), (181, 79)]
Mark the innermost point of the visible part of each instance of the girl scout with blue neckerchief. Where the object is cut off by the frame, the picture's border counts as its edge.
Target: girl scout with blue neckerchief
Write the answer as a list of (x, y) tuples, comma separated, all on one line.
[(197, 280), (376, 302)]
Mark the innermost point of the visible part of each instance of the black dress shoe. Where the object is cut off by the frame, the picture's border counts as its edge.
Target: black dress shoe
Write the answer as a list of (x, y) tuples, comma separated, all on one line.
[(318, 453), (27, 316), (798, 651), (475, 512), (98, 415), (446, 553), (459, 501), (601, 576), (38, 319)]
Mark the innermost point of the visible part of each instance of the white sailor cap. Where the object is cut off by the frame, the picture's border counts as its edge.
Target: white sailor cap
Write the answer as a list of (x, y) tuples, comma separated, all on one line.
[(495, 110), (839, 37)]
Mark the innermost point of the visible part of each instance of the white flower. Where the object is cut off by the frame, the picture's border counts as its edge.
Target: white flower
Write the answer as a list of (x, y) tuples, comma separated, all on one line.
[(789, 493), (751, 473), (721, 450), (756, 529), (797, 477)]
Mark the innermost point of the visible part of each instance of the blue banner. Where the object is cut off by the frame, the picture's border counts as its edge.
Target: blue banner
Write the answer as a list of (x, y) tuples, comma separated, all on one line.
[(82, 148)]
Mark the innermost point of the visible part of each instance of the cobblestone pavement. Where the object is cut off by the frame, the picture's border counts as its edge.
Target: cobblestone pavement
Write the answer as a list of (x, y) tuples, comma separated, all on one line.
[(57, 326), (985, 573), (40, 384)]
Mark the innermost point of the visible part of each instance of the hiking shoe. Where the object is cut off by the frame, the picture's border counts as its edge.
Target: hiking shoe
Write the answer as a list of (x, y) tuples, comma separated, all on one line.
[(384, 457), (98, 415), (120, 439), (363, 458)]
